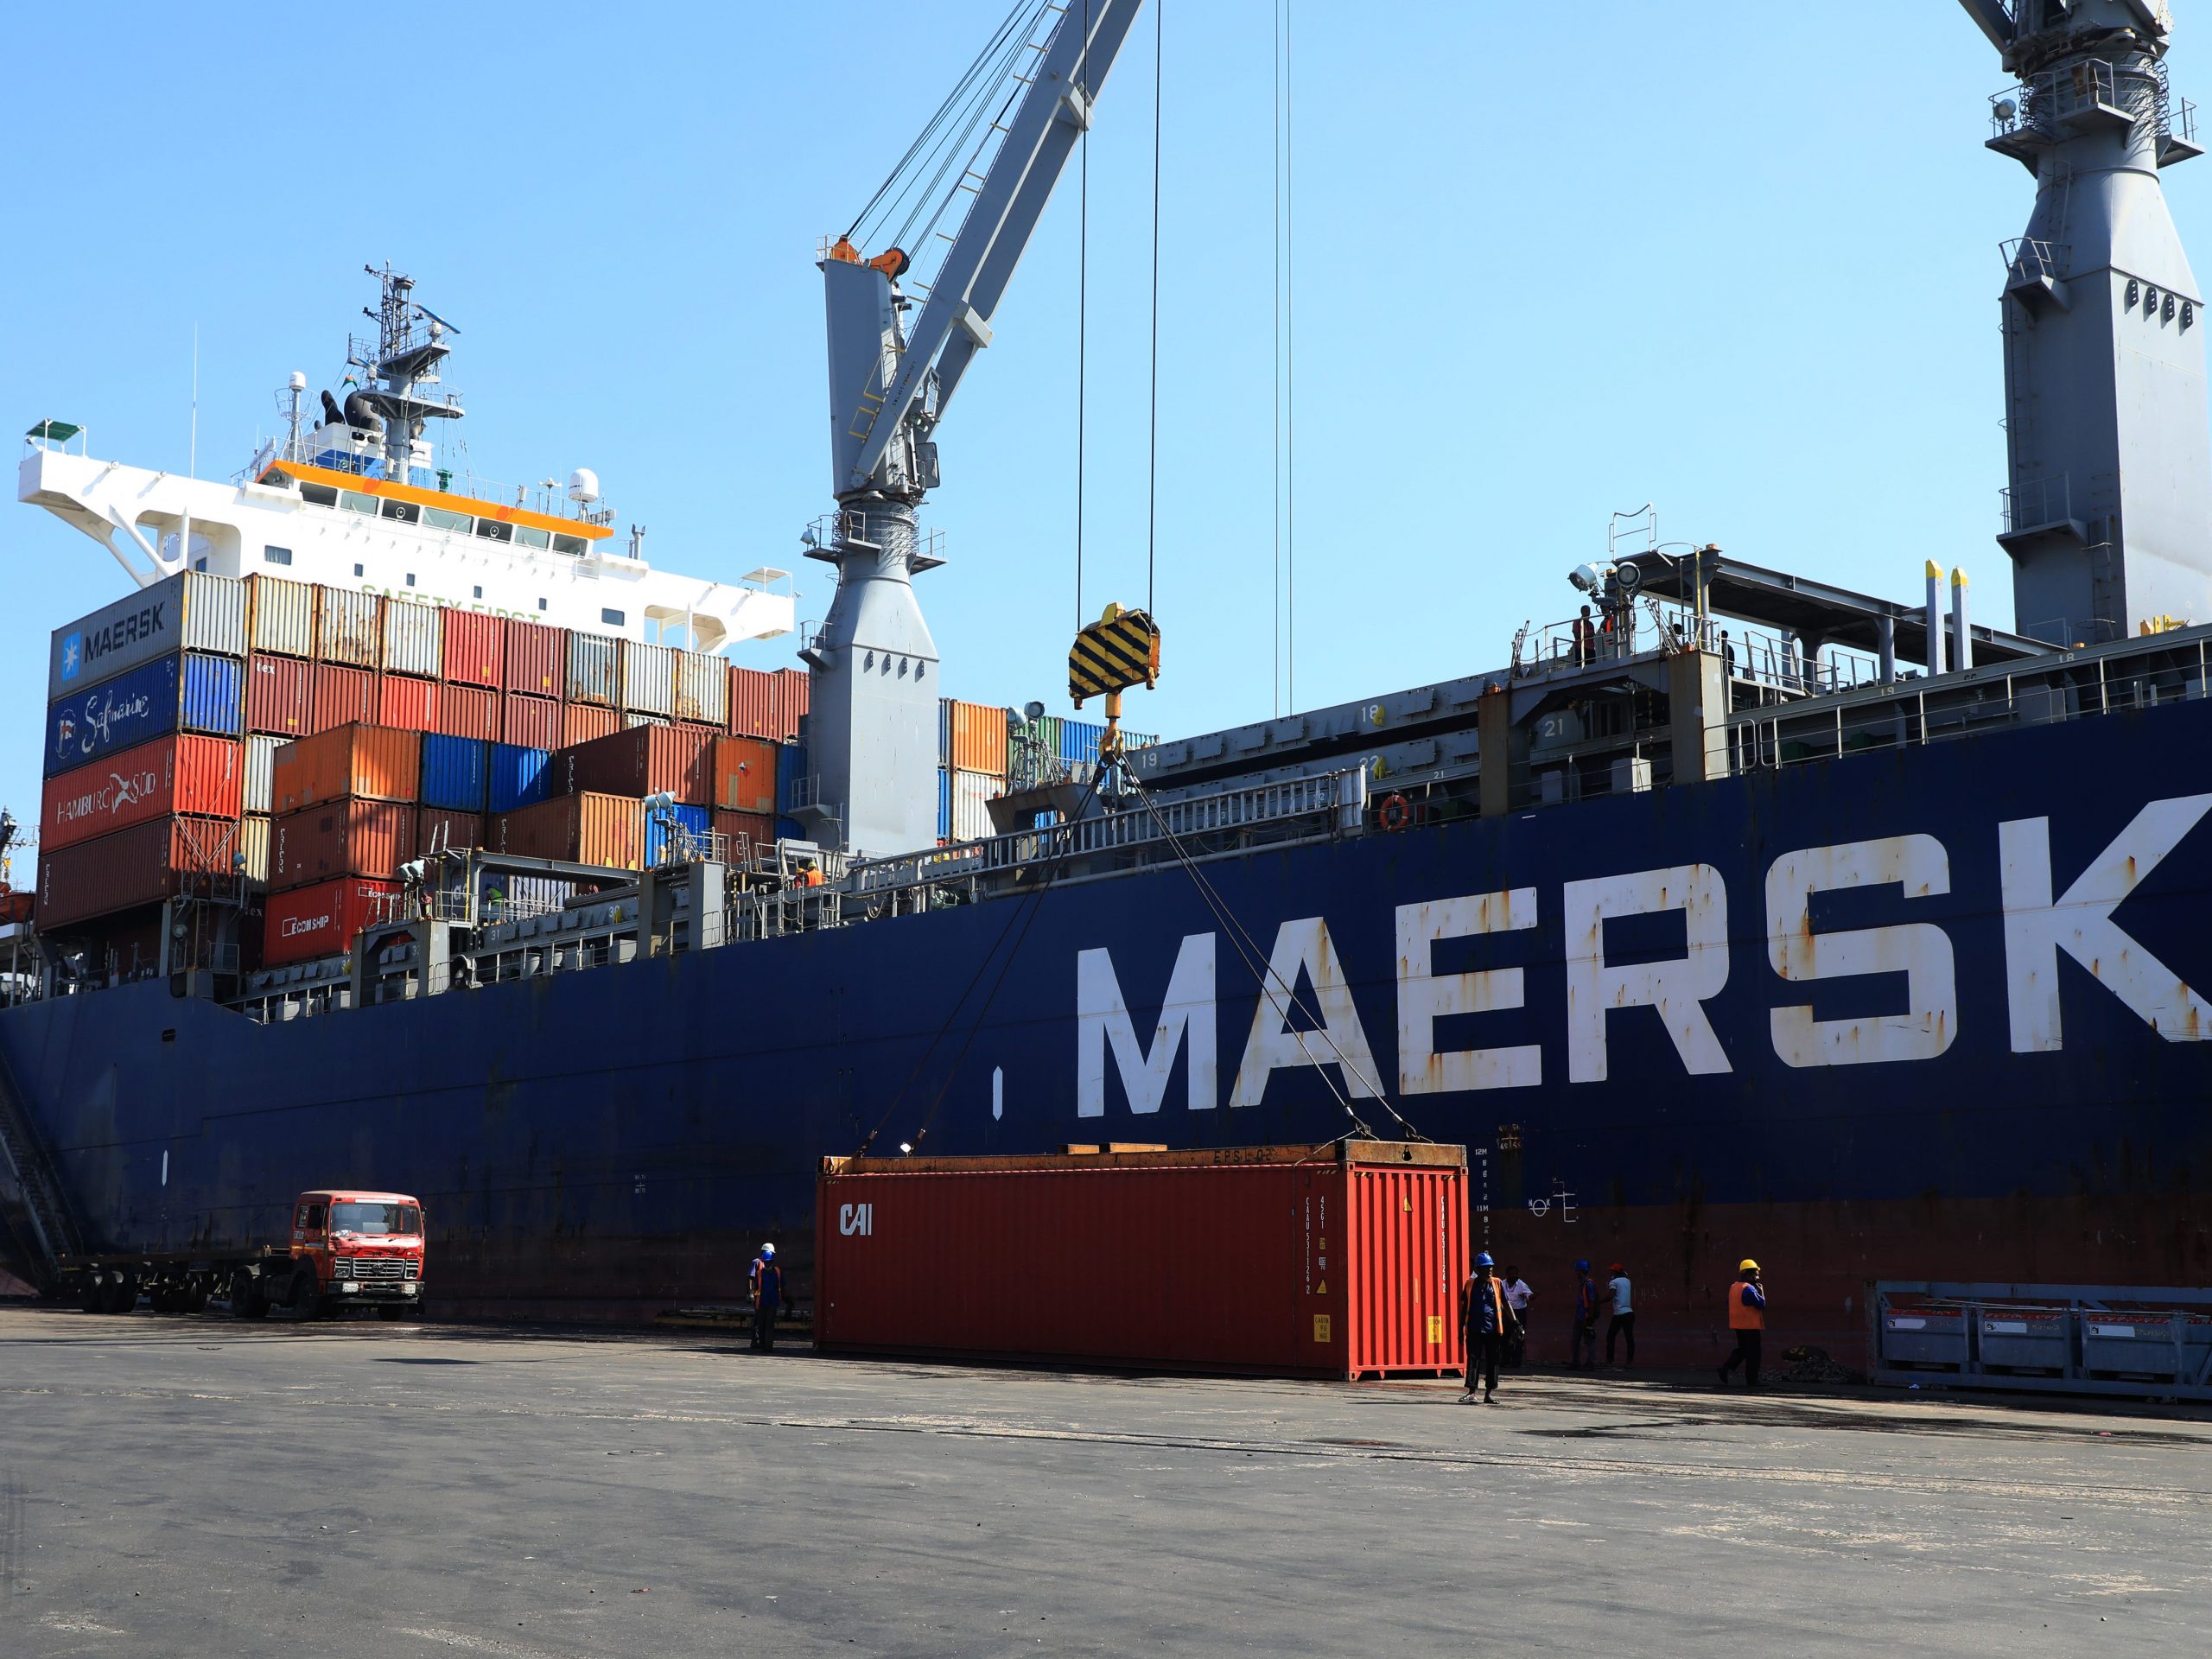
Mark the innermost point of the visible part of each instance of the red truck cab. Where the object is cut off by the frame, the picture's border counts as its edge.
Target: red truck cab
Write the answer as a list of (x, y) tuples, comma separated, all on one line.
[(358, 1248)]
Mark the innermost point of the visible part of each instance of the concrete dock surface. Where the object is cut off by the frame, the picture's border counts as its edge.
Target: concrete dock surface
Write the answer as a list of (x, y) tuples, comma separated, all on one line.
[(190, 1486)]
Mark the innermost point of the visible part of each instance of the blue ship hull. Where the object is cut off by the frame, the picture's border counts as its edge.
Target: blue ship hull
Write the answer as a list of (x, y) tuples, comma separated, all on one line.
[(2001, 1074)]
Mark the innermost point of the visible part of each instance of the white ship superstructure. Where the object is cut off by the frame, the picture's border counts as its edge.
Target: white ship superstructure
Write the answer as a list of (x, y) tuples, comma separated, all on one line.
[(359, 498)]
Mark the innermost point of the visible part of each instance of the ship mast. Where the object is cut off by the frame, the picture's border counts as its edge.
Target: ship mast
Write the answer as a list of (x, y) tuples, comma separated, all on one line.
[(2109, 505), (410, 345)]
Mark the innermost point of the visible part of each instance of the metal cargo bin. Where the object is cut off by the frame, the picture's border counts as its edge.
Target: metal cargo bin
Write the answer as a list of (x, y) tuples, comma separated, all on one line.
[(745, 832), (181, 776), (971, 795), (2024, 1339), (319, 920), (260, 771), (943, 804), (413, 638), (536, 659), (1925, 1335), (643, 760), (188, 612), (2133, 1344), (349, 626), (752, 696), (373, 762), (673, 832), (701, 689), (411, 705), (253, 848), (971, 736), (518, 776), (530, 723), (280, 616), (349, 838), (469, 711), (648, 678), (606, 830), (455, 775), (343, 696), (581, 723), (1332, 1261), (595, 669), (473, 648), (279, 695), (133, 866), (212, 696), (439, 828), (1079, 740), (745, 774)]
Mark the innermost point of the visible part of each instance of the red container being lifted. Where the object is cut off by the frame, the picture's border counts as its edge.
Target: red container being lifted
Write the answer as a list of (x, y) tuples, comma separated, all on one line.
[(1340, 1261)]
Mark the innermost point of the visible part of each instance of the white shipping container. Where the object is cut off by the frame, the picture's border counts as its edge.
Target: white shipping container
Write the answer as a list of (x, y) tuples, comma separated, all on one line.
[(253, 848), (214, 614), (648, 678), (412, 635), (260, 770), (702, 688), (631, 720), (281, 616), (347, 626), (971, 813)]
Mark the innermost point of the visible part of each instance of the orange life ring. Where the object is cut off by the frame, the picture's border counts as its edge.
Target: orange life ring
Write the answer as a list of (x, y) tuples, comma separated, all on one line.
[(1393, 815)]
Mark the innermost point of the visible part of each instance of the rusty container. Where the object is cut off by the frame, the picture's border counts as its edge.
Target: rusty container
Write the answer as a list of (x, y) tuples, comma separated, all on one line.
[(279, 695), (752, 703), (642, 760), (530, 723), (373, 762), (536, 663), (342, 697), (1341, 1261), (141, 865), (349, 627), (606, 830), (702, 689), (185, 776), (745, 775), (745, 833), (581, 722), (412, 636), (335, 838), (409, 704), (437, 828), (470, 711), (649, 676), (473, 649)]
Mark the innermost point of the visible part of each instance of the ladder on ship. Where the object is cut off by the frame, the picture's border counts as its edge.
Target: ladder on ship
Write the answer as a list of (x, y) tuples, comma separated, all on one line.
[(37, 1213)]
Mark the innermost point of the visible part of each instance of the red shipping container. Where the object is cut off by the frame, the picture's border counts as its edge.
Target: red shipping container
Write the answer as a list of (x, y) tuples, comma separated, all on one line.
[(319, 920), (437, 829), (343, 696), (582, 721), (133, 866), (350, 837), (279, 695), (185, 776), (411, 705), (469, 711), (743, 830), (791, 689), (1339, 1261), (533, 722), (745, 774), (752, 703), (474, 649), (643, 760), (536, 660), (607, 830), (373, 762)]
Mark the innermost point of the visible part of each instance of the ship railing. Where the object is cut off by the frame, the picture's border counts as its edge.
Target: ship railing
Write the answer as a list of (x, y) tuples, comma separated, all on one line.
[(2030, 259), (2053, 105), (2035, 502), (1779, 664), (1338, 797)]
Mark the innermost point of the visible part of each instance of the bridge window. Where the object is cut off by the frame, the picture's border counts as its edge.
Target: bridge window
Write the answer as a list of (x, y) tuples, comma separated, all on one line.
[(405, 512), (613, 619), (443, 518), (569, 545), (529, 537), (276, 555), (492, 531), (321, 495), (353, 503), (541, 601)]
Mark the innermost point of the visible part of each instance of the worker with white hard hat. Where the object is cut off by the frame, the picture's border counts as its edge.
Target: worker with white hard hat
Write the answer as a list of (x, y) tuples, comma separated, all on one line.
[(767, 1280)]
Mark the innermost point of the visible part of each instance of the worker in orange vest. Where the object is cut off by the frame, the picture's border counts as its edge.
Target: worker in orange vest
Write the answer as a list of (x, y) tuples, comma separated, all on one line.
[(1747, 1321), (1487, 1319)]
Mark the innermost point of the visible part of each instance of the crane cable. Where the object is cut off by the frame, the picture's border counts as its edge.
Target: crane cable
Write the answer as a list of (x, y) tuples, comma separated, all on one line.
[(1152, 457), (1081, 311)]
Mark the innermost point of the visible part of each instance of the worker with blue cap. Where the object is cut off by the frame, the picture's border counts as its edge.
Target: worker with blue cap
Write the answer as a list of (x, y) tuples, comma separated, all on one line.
[(1486, 1320), (767, 1280), (1584, 1355)]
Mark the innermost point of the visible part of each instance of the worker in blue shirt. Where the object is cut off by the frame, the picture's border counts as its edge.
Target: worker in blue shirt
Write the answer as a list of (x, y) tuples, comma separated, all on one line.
[(767, 1280), (1747, 1322), (1486, 1318), (1583, 1356)]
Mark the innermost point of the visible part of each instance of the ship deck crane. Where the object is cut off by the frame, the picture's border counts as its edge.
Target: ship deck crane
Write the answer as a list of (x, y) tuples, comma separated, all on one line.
[(871, 784)]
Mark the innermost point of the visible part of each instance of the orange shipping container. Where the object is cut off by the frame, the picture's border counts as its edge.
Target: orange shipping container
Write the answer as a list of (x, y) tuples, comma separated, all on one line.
[(530, 723), (469, 711), (744, 830), (436, 828), (411, 704), (374, 762), (350, 837), (752, 703), (187, 775), (606, 830), (536, 659), (745, 774), (582, 721), (474, 647), (976, 738), (792, 687), (342, 697)]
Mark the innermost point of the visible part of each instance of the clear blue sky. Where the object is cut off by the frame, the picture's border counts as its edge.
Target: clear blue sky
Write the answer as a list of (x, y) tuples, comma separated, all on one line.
[(1541, 272)]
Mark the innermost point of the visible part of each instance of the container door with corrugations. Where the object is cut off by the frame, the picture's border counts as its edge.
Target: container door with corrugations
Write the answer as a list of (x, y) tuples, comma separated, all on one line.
[(1406, 1258)]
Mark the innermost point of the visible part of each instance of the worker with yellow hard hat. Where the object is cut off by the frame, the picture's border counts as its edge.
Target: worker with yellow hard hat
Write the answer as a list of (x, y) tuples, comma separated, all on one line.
[(1747, 1323)]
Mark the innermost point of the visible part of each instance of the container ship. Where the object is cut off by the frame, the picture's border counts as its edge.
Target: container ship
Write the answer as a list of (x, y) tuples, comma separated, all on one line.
[(399, 832)]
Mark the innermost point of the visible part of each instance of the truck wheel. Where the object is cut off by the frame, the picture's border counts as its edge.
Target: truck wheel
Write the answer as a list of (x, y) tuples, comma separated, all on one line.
[(91, 1294), (245, 1296), (122, 1294), (306, 1297), (195, 1297)]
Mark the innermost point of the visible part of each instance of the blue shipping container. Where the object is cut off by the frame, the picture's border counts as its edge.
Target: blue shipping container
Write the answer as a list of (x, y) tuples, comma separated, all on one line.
[(1079, 740), (790, 830), (188, 692), (519, 775), (673, 825), (454, 775), (790, 766), (943, 803)]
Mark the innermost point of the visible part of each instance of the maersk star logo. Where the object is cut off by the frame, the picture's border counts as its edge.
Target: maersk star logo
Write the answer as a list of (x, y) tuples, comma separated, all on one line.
[(72, 655)]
